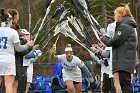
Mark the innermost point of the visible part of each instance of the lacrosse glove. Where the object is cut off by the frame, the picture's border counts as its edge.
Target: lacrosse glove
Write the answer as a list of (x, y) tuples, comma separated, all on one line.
[(53, 49)]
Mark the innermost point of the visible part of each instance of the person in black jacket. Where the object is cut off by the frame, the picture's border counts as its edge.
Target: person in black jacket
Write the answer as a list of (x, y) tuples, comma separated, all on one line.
[(20, 79), (21, 72), (124, 49)]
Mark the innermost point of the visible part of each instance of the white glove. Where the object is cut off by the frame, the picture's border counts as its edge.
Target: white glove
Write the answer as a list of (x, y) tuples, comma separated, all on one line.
[(103, 32)]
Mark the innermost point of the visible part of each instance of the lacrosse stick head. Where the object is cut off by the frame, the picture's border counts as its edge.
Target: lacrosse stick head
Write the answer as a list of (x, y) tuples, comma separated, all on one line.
[(59, 9)]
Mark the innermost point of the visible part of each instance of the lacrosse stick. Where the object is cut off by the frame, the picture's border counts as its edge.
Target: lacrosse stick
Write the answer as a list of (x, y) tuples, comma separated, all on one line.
[(60, 19), (79, 27), (56, 30), (67, 31), (58, 9), (86, 15), (47, 12), (29, 10), (75, 13), (48, 2), (84, 6)]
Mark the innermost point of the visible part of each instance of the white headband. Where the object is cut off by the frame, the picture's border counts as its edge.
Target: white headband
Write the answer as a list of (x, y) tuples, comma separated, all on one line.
[(3, 24), (9, 17), (68, 49)]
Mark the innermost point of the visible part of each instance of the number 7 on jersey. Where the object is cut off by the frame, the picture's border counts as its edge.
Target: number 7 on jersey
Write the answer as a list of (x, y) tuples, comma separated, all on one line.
[(3, 42)]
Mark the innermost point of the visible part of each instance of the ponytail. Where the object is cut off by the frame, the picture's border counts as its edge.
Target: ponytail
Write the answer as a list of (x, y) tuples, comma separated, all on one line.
[(124, 10), (12, 12), (4, 16)]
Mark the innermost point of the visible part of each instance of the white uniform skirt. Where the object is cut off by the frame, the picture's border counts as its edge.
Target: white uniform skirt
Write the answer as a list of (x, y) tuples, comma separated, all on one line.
[(30, 73), (74, 76), (7, 69)]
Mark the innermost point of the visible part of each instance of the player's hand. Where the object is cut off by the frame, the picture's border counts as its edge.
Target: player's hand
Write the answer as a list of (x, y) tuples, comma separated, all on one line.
[(30, 43), (95, 45), (53, 49), (94, 50), (102, 31), (36, 46)]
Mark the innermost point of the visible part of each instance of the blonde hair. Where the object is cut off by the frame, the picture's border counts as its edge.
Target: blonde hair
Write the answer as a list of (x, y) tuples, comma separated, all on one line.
[(68, 45), (68, 48), (124, 10)]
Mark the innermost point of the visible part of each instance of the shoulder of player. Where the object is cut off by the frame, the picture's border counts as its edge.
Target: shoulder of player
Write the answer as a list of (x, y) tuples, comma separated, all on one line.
[(10, 29), (75, 57)]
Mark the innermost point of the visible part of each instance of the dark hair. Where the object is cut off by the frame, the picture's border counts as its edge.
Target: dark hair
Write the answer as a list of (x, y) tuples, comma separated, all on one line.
[(4, 16), (16, 27), (12, 12)]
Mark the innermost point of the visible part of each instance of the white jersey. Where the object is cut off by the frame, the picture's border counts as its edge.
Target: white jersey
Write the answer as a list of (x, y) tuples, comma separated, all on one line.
[(27, 62), (107, 69), (111, 29), (110, 33), (30, 73), (8, 38), (71, 70)]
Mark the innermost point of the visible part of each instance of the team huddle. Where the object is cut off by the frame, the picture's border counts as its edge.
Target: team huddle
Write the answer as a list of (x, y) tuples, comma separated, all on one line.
[(116, 52)]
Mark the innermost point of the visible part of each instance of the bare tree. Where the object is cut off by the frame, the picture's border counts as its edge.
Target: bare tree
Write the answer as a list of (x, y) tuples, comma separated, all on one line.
[(104, 12)]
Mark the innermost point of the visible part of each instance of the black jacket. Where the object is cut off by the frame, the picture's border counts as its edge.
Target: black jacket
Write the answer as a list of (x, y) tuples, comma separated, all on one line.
[(124, 45), (19, 60), (20, 70)]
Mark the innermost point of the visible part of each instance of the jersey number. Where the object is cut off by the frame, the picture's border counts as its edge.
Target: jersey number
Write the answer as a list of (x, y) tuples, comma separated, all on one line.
[(3, 42)]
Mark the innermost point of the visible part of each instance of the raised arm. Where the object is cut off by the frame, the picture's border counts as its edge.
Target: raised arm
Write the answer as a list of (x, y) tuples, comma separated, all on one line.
[(19, 47)]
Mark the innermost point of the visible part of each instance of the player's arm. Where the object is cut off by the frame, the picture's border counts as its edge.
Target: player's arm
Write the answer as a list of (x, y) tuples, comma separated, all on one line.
[(103, 53), (86, 70), (83, 67), (52, 56), (17, 44), (32, 51), (19, 47), (53, 52), (24, 52)]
